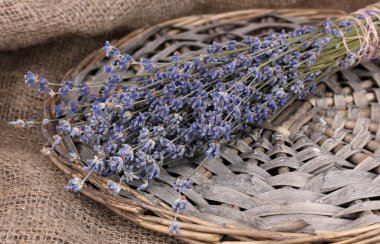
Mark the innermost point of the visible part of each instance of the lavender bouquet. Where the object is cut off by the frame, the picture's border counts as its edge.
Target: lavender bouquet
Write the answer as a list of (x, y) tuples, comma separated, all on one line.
[(170, 110)]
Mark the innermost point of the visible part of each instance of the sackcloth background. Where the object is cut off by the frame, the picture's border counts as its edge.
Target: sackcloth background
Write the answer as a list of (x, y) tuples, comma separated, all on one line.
[(49, 37)]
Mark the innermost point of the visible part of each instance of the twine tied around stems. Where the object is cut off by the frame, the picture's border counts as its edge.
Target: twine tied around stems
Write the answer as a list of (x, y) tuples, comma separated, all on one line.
[(366, 33)]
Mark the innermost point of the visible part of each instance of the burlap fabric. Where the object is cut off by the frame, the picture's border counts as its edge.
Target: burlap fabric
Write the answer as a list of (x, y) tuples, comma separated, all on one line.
[(52, 36)]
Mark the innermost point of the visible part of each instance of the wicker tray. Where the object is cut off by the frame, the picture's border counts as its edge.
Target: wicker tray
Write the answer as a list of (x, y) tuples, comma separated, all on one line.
[(310, 175)]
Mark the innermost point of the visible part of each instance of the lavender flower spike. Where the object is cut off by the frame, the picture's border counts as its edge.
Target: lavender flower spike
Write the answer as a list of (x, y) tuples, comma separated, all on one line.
[(182, 185), (30, 79), (74, 185), (114, 187), (179, 205), (174, 227)]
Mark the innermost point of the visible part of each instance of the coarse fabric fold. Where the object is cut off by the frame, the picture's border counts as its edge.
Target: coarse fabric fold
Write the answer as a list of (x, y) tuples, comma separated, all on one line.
[(49, 37)]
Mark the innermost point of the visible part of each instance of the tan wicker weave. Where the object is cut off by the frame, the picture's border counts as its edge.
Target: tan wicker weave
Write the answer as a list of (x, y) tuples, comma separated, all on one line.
[(310, 175)]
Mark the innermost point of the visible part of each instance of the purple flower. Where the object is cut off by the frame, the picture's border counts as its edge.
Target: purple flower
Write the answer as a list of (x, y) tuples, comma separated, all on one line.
[(69, 84), (30, 79), (175, 58), (42, 85), (297, 87), (116, 164), (139, 121), (92, 97), (142, 186), (153, 171), (57, 140), (142, 159), (110, 147), (231, 45), (159, 130), (111, 51), (74, 106), (64, 126), (345, 23), (63, 91), (320, 42), (179, 205), (106, 45), (146, 64), (180, 152), (126, 152), (129, 175), (214, 48), (124, 61), (59, 109), (174, 227), (148, 144), (213, 150), (280, 96), (97, 165), (108, 69), (74, 185), (172, 109), (310, 58), (114, 188), (182, 185), (83, 89)]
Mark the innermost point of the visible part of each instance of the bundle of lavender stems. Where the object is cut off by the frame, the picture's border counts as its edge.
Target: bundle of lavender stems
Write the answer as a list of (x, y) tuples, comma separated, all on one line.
[(174, 109)]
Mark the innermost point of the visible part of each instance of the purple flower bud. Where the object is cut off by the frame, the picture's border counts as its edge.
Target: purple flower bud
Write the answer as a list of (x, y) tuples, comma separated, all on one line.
[(59, 109), (213, 150), (179, 205), (146, 64), (214, 48), (142, 186), (108, 69), (69, 84), (97, 164), (30, 79), (129, 175), (124, 61), (182, 185), (153, 171), (114, 188), (126, 152), (63, 91), (64, 126), (57, 140), (111, 51), (174, 227), (76, 131), (74, 106), (83, 89), (74, 185), (42, 85)]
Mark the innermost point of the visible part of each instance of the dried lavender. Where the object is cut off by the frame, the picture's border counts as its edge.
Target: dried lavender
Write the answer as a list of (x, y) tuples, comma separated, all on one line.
[(173, 109)]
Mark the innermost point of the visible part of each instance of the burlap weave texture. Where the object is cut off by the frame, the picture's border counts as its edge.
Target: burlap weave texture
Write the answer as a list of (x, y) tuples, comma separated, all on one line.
[(52, 36)]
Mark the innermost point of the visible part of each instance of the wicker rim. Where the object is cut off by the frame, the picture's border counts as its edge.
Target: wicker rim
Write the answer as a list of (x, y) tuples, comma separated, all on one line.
[(194, 229)]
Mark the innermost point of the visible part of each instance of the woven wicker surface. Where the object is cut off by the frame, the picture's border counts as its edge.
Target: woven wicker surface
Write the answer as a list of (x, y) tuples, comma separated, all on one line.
[(312, 170)]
